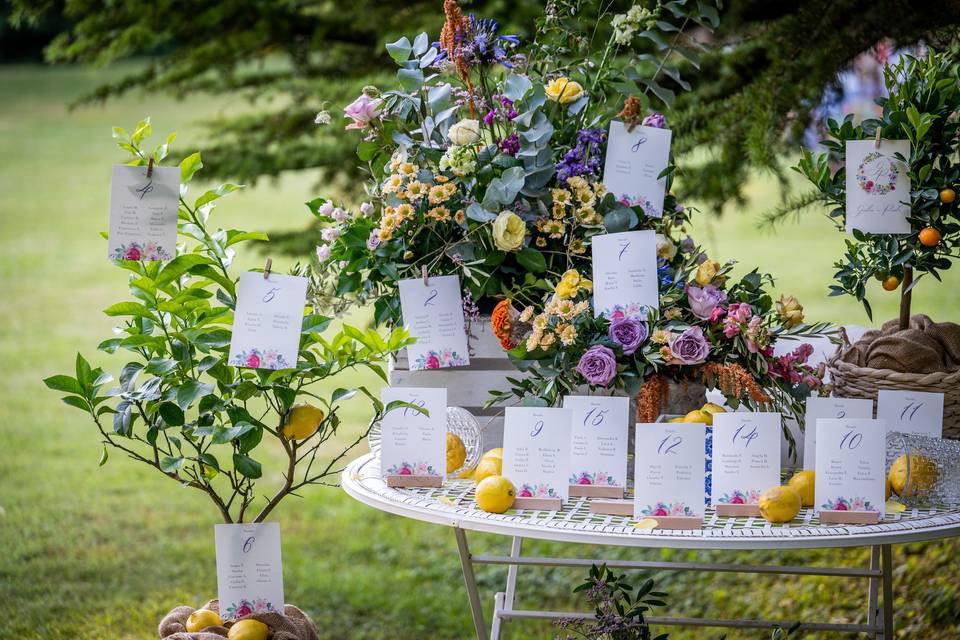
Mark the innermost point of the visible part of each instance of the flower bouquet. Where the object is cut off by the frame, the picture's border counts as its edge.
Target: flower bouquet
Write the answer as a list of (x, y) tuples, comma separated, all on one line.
[(485, 159), (708, 329)]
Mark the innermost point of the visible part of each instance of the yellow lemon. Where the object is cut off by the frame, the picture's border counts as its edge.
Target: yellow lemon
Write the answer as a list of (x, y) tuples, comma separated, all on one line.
[(493, 453), (201, 619), (923, 476), (712, 408), (467, 474), (804, 483), (248, 629), (780, 504), (456, 452), (677, 419), (487, 467), (303, 420), (699, 415), (495, 494)]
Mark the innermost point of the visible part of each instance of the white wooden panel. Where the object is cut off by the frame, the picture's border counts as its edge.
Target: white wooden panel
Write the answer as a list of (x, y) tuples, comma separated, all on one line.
[(483, 344), (465, 387)]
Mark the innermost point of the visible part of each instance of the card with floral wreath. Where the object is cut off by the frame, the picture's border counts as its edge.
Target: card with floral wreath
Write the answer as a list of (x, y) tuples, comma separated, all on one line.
[(143, 213), (633, 164), (414, 443), (851, 465), (625, 281), (599, 439), (878, 187), (249, 569), (433, 313), (536, 450), (267, 321), (668, 469), (746, 456)]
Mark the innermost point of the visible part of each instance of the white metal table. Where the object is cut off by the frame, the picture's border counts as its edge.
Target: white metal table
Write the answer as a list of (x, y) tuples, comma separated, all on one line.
[(452, 505)]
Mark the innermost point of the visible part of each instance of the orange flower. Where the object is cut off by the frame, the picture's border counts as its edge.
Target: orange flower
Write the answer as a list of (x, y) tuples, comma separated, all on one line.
[(500, 320)]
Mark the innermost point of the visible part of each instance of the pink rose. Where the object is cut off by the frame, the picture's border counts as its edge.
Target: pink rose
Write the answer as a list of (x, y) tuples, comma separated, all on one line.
[(433, 362), (736, 500), (132, 253), (244, 610), (406, 471), (583, 480), (525, 493), (616, 315), (362, 111), (660, 511), (253, 361)]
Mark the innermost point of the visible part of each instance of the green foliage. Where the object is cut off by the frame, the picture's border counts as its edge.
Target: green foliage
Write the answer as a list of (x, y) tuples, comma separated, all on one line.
[(924, 98), (179, 406), (619, 608)]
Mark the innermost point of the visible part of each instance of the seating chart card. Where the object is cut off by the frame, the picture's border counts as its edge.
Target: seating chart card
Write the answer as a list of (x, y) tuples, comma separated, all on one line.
[(851, 465), (267, 321), (878, 187), (668, 478), (414, 443), (917, 412), (536, 451), (635, 159), (836, 408), (746, 456), (600, 439), (625, 281), (433, 313), (143, 213), (249, 569)]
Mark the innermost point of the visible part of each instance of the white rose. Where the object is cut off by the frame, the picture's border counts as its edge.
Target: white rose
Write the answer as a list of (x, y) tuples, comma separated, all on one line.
[(665, 247), (466, 131)]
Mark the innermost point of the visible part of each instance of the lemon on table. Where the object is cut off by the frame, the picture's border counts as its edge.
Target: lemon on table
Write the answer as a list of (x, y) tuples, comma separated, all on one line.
[(804, 483), (487, 467), (698, 415), (923, 475), (495, 494), (467, 474), (712, 408), (248, 629), (201, 619), (677, 419), (779, 504), (493, 453), (303, 420), (456, 452)]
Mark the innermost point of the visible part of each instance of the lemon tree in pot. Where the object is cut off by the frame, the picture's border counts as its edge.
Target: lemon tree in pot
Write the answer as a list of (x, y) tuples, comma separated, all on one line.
[(179, 406), (909, 352)]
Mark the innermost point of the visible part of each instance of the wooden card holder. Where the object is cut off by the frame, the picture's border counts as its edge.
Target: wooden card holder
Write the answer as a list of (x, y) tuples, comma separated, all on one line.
[(538, 504), (406, 482), (849, 517), (596, 491), (612, 507), (684, 523), (737, 510)]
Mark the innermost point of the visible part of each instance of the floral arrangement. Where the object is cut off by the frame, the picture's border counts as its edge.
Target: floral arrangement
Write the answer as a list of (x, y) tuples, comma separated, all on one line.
[(709, 329), (485, 160)]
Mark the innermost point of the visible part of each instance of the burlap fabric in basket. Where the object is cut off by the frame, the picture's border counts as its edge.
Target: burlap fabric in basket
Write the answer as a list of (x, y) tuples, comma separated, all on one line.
[(923, 357), (292, 624)]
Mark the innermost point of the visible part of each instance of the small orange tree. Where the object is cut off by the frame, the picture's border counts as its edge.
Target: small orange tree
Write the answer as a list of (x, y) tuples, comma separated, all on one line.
[(922, 106)]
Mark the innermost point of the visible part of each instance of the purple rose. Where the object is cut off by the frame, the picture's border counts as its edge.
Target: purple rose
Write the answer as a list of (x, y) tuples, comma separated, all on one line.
[(629, 333), (704, 301), (655, 120), (598, 365), (690, 347)]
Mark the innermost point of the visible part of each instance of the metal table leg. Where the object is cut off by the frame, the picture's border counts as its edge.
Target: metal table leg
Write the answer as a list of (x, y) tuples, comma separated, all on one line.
[(466, 563), (873, 602), (503, 601), (887, 561)]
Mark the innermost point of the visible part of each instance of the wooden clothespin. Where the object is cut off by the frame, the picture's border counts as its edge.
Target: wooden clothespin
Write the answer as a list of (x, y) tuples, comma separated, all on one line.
[(877, 140), (150, 167), (266, 269), (423, 272)]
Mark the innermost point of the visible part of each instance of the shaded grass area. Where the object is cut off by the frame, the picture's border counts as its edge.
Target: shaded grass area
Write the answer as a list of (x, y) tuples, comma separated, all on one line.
[(88, 552)]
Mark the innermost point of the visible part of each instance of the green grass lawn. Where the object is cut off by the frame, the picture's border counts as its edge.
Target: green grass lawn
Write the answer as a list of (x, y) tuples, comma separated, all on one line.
[(91, 553)]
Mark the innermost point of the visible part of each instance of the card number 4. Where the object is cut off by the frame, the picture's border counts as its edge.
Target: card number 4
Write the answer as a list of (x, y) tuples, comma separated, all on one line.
[(739, 434)]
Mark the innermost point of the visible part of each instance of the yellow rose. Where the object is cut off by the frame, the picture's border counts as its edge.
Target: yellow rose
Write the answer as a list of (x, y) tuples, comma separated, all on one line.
[(465, 132), (508, 231), (706, 272), (571, 283), (563, 90), (790, 311)]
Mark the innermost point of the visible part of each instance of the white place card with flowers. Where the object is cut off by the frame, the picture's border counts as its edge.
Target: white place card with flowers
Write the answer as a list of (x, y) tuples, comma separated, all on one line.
[(825, 409), (536, 455), (919, 412), (878, 187), (433, 313), (267, 321), (625, 280), (635, 159), (143, 213), (669, 471), (599, 443), (746, 460), (851, 465), (249, 569), (413, 448)]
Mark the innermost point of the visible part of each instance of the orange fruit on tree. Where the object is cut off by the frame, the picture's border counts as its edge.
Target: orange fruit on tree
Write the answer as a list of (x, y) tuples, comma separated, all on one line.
[(929, 237), (947, 195), (891, 282)]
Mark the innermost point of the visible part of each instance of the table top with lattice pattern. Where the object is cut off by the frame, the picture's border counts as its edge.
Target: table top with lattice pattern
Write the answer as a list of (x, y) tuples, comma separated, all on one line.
[(453, 505)]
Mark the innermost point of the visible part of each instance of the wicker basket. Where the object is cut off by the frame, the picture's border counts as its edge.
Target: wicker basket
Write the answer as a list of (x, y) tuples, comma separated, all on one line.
[(852, 381)]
